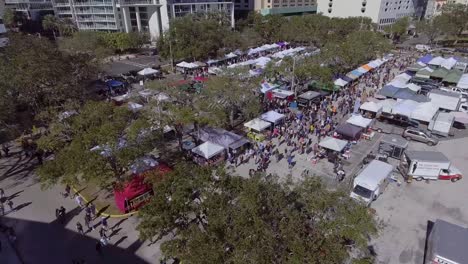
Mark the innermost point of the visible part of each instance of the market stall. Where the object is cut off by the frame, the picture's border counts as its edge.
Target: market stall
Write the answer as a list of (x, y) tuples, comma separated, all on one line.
[(371, 108), (424, 112), (273, 117), (333, 146), (393, 146), (463, 82), (283, 94), (405, 107), (148, 71), (208, 153), (222, 137), (349, 131), (387, 105), (441, 124), (308, 98), (359, 121), (256, 127)]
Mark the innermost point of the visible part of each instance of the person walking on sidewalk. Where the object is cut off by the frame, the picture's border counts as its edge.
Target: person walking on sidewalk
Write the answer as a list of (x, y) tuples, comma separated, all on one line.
[(79, 201), (10, 204), (2, 193), (79, 227), (88, 223), (104, 222), (2, 209)]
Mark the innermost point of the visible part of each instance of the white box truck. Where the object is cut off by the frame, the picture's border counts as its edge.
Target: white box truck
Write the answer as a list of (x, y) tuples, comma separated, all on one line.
[(447, 244), (420, 165), (371, 182)]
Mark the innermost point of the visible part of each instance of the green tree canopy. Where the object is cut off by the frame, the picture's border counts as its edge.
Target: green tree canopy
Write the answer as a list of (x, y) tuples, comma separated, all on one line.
[(97, 144), (221, 218), (36, 76)]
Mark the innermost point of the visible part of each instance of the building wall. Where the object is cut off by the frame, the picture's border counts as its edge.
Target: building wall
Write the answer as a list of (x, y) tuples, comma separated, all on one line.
[(382, 12), (285, 7)]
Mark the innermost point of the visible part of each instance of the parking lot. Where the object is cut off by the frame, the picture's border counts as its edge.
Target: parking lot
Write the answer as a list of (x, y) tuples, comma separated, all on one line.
[(406, 209)]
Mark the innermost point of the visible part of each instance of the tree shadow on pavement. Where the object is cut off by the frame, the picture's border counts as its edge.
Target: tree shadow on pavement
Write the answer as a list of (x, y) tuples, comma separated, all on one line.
[(39, 242)]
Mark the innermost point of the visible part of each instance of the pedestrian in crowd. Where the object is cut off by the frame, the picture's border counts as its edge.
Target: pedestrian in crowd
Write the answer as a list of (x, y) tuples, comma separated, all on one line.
[(104, 222), (67, 191), (2, 209), (79, 201), (102, 232), (290, 161), (88, 223), (2, 193), (6, 149), (10, 204), (79, 227), (92, 209), (98, 248)]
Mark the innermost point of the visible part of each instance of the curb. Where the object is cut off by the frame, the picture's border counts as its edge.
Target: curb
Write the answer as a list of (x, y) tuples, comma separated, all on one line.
[(104, 214)]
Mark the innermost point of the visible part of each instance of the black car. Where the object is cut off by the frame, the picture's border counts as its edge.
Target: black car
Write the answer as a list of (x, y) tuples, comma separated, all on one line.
[(399, 120)]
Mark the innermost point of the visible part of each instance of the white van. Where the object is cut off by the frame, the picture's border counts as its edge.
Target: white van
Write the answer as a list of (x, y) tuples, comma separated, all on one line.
[(371, 182)]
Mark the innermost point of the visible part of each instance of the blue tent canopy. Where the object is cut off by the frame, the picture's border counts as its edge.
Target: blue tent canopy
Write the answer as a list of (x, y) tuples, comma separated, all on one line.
[(114, 83), (357, 73), (426, 59), (389, 91)]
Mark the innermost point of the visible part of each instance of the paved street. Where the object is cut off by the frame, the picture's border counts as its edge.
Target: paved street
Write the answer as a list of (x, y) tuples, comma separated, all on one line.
[(34, 222), (406, 210)]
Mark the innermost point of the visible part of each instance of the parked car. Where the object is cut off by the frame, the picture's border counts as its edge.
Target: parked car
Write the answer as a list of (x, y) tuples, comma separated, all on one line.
[(419, 135), (453, 174), (399, 120)]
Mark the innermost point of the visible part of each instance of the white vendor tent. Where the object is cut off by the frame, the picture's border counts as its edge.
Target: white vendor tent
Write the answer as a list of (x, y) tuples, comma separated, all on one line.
[(413, 87), (371, 107), (272, 117), (449, 63), (405, 107), (387, 105), (262, 61), (340, 82), (281, 93), (437, 61), (257, 124), (460, 117), (187, 65), (333, 144), (404, 77), (442, 123), (134, 106), (230, 55), (147, 71), (463, 82), (208, 150), (359, 121), (424, 112)]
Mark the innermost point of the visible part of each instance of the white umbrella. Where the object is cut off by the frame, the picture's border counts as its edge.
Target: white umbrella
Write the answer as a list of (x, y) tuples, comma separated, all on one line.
[(147, 71)]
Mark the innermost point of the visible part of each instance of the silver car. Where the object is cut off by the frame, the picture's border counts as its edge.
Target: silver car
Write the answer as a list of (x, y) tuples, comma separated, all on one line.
[(418, 135)]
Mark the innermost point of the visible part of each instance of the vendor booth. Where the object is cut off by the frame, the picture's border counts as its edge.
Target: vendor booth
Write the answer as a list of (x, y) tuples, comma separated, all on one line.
[(148, 71), (349, 131), (424, 112), (283, 94), (308, 98), (392, 146), (371, 109), (359, 121), (273, 117), (333, 146), (222, 137), (208, 153), (405, 107), (256, 127)]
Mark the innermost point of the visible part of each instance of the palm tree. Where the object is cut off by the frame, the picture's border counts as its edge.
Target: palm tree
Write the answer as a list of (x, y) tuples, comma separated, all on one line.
[(50, 22)]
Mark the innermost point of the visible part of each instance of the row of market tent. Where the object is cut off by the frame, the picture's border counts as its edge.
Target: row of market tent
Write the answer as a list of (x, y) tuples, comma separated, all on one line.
[(355, 74)]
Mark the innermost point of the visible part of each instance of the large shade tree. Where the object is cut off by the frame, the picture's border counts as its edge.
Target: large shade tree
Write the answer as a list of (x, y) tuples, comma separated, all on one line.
[(94, 144), (216, 217)]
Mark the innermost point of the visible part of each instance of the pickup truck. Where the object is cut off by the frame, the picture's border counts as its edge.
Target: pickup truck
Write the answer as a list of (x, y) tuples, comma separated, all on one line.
[(399, 120)]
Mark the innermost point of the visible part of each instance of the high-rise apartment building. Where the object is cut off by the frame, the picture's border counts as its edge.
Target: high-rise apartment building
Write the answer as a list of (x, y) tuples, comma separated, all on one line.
[(285, 7), (151, 16), (33, 9), (382, 12), (434, 7)]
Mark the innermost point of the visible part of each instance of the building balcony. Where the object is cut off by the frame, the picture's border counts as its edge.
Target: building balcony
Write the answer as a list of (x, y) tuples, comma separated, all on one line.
[(199, 1), (97, 27), (139, 2), (94, 11), (16, 1), (93, 3), (95, 19)]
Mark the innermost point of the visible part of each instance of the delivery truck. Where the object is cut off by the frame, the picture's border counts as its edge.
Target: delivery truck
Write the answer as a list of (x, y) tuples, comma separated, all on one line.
[(447, 244), (371, 181), (427, 165)]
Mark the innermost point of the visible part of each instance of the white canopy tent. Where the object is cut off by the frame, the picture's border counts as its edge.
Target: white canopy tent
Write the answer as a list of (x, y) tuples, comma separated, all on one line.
[(262, 61), (208, 150), (387, 105), (340, 82), (134, 106), (398, 83), (437, 61), (280, 93), (404, 77), (405, 107), (187, 65), (147, 71), (463, 82), (333, 144), (257, 124), (371, 107), (449, 63), (230, 55), (424, 112), (272, 117), (359, 120), (413, 87)]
